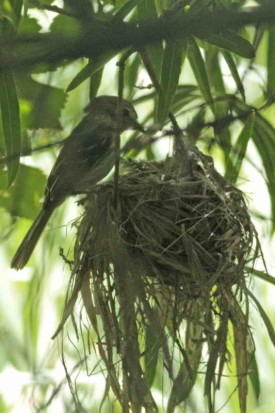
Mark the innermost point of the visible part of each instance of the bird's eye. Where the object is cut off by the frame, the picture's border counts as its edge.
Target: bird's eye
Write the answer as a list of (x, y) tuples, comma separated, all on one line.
[(126, 112)]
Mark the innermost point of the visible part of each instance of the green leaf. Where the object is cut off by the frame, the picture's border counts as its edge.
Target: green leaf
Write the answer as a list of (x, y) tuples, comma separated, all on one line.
[(264, 317), (271, 62), (254, 374), (232, 42), (262, 275), (264, 139), (66, 26), (10, 122), (184, 92), (17, 7), (222, 132), (91, 68), (234, 72), (46, 102), (214, 71), (173, 55), (152, 346), (95, 65), (200, 73), (23, 199), (146, 11), (239, 150), (95, 81), (28, 25), (195, 127), (124, 10), (184, 95), (131, 75), (183, 383)]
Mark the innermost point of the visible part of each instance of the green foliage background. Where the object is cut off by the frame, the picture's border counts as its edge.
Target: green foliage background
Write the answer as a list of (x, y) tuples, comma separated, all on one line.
[(220, 84)]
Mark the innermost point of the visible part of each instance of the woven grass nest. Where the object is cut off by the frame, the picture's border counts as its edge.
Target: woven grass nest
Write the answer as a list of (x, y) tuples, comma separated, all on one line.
[(160, 263), (189, 231)]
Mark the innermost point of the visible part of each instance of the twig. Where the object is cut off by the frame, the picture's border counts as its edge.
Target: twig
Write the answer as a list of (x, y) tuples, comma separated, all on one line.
[(121, 65), (58, 387), (29, 152), (147, 139)]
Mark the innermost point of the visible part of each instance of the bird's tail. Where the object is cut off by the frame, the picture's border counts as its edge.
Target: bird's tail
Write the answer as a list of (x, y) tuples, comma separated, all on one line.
[(28, 244)]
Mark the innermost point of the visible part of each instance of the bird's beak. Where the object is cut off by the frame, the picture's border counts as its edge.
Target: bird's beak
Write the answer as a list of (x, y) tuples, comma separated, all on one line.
[(137, 126)]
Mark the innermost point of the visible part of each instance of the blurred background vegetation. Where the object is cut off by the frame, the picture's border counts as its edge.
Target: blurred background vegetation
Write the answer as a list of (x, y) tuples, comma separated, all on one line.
[(220, 85)]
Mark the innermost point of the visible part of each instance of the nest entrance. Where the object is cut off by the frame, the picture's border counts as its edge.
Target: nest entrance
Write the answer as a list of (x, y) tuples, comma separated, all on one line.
[(160, 278)]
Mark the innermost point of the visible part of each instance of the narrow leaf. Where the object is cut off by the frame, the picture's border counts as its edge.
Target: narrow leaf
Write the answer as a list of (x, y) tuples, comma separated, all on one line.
[(17, 7), (10, 122), (264, 139), (183, 92), (195, 127), (91, 68), (95, 81), (183, 383), (170, 72), (264, 316), (232, 42), (146, 11), (125, 9), (271, 62), (184, 95), (131, 75), (152, 346), (214, 71), (234, 72), (239, 150), (254, 374), (199, 69), (222, 132), (262, 275)]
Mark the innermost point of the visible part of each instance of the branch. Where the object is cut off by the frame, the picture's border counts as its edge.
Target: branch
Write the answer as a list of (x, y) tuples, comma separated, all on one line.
[(121, 65), (99, 37)]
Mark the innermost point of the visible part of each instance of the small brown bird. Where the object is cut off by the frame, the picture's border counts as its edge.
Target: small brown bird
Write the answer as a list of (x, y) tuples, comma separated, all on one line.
[(87, 156)]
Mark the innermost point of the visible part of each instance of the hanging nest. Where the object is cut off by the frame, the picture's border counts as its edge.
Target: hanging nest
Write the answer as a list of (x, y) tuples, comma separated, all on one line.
[(188, 231), (161, 265)]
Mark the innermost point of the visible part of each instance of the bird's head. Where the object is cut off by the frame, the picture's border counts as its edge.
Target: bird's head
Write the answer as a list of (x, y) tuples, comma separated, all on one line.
[(106, 107)]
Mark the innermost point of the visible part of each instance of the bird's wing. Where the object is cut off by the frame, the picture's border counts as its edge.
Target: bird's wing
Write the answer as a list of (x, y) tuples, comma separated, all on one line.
[(83, 158)]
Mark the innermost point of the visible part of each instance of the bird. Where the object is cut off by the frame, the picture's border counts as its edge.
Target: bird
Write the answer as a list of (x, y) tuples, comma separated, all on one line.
[(87, 156)]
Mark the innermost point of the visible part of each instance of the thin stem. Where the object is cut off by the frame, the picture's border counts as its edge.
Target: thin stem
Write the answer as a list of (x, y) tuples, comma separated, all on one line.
[(121, 65), (30, 151)]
